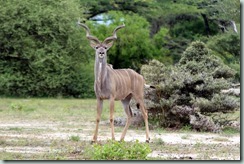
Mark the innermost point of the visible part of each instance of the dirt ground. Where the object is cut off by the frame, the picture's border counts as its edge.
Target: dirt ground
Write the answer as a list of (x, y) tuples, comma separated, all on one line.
[(47, 131)]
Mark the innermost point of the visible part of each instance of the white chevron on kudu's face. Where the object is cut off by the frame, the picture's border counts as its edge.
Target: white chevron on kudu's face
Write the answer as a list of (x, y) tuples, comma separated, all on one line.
[(115, 84)]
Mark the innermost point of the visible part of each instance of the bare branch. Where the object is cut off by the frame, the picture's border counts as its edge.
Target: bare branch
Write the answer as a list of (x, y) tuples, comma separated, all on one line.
[(234, 26)]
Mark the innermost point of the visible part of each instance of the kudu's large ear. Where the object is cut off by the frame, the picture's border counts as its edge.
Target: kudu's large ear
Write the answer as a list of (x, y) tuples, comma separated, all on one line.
[(108, 42), (94, 45), (93, 40)]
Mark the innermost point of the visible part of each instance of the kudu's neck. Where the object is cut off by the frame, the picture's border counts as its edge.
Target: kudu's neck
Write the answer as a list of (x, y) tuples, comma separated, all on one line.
[(100, 70)]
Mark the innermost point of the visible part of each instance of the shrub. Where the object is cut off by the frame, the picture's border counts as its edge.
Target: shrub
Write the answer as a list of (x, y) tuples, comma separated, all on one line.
[(187, 93), (114, 150)]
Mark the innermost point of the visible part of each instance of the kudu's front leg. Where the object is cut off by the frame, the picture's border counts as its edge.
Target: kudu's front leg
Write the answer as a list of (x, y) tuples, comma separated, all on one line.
[(99, 112), (111, 105)]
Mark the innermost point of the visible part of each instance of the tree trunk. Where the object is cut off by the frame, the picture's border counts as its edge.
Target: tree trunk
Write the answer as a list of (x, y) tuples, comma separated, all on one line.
[(207, 28)]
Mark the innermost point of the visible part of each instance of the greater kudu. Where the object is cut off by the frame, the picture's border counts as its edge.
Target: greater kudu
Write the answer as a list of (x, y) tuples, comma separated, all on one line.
[(115, 84)]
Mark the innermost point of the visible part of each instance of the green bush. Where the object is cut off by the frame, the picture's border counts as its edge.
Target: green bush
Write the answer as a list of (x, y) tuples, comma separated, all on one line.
[(218, 103), (41, 52), (114, 150), (189, 92)]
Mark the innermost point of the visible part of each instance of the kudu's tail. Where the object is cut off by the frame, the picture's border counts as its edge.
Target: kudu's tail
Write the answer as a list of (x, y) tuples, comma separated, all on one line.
[(146, 86), (130, 111), (149, 86)]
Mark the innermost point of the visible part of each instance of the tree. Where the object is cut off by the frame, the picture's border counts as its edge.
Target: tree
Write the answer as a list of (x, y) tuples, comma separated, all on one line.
[(186, 20), (227, 13), (41, 52), (227, 47), (161, 40), (223, 12), (133, 46), (94, 8), (188, 93)]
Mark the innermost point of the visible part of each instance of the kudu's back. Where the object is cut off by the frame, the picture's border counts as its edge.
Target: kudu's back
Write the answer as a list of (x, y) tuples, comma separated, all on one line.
[(125, 82)]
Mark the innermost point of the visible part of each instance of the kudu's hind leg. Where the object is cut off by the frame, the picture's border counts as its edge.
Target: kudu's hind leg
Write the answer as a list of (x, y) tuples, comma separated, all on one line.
[(111, 105), (145, 116), (99, 112), (128, 112)]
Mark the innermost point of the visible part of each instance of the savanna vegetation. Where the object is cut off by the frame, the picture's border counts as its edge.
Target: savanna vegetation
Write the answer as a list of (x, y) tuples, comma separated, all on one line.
[(188, 49), (62, 129)]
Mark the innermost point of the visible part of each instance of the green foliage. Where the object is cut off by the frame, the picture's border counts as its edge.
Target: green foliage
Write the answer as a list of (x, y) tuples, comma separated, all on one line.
[(197, 58), (183, 19), (133, 46), (196, 52), (114, 150), (228, 10), (169, 8), (188, 28), (190, 88), (218, 103), (40, 49), (161, 39), (218, 9), (182, 30), (44, 53), (94, 7), (227, 46)]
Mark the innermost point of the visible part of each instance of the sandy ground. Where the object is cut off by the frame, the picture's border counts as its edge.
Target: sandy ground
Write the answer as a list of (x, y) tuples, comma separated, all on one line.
[(50, 130)]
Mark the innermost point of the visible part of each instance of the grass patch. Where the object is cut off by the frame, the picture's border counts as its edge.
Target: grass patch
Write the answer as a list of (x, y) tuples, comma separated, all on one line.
[(186, 128), (160, 130), (12, 142), (197, 145), (15, 129), (55, 109), (198, 151), (221, 139), (186, 136), (158, 141), (74, 138), (230, 130)]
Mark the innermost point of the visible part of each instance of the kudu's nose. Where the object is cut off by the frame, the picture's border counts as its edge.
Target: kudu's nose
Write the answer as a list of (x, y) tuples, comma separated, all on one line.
[(101, 54)]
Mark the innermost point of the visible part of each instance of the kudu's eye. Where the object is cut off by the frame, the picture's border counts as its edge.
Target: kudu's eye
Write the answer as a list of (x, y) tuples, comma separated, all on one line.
[(96, 47), (105, 48)]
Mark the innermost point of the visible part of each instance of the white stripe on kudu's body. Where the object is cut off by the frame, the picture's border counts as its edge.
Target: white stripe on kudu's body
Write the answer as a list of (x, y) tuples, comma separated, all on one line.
[(115, 84)]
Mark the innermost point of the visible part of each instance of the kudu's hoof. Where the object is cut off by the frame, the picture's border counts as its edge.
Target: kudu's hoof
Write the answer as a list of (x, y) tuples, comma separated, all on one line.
[(92, 142), (147, 141)]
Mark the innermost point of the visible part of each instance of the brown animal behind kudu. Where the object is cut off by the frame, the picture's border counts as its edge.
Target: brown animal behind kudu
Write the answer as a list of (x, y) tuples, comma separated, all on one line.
[(115, 84)]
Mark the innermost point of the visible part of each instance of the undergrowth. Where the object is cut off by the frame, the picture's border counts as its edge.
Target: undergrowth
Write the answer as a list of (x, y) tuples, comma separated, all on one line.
[(115, 150)]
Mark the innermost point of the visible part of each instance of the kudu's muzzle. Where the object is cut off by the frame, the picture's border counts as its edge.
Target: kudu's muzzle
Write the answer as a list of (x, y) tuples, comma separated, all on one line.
[(101, 54)]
